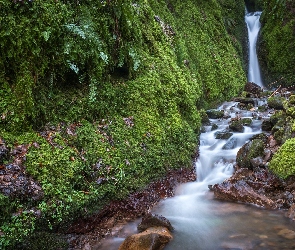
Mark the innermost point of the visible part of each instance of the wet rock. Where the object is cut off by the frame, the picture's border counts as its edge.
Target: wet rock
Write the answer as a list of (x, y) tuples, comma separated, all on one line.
[(253, 89), (287, 234), (250, 187), (291, 212), (240, 191), (153, 238), (15, 183), (276, 102), (214, 127), (266, 125), (249, 151), (215, 113), (4, 151), (236, 126), (230, 144), (155, 220), (257, 162), (223, 135), (245, 101)]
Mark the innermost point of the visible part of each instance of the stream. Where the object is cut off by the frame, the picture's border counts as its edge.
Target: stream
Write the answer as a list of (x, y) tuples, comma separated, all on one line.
[(203, 223)]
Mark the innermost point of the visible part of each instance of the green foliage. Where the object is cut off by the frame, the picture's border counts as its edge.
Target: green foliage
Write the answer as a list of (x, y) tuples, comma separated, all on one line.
[(115, 88), (277, 48), (283, 162)]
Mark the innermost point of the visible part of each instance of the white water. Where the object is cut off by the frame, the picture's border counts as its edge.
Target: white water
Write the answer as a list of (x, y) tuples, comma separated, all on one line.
[(253, 25)]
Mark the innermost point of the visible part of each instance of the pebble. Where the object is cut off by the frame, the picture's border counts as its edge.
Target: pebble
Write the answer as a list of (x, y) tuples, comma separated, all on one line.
[(287, 234)]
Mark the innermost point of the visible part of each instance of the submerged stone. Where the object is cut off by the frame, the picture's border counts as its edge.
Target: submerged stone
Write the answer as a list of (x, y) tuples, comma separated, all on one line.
[(230, 144)]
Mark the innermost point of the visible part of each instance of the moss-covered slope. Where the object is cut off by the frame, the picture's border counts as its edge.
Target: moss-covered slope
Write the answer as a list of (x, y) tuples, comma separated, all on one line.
[(105, 96), (277, 48)]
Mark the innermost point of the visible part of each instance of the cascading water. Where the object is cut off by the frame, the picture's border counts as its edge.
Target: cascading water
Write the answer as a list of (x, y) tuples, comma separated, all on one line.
[(253, 25), (204, 223)]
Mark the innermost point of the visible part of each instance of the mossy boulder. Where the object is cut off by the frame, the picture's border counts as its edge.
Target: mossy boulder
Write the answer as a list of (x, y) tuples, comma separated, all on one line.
[(249, 151), (291, 112), (204, 118), (215, 113), (214, 127), (238, 125), (283, 162), (275, 102), (277, 116), (223, 135), (266, 125), (246, 121), (292, 99)]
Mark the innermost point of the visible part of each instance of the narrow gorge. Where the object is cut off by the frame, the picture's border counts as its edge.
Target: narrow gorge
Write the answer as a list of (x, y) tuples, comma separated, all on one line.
[(112, 110)]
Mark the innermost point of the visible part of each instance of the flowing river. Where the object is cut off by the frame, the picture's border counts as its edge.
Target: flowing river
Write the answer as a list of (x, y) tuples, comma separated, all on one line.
[(204, 223)]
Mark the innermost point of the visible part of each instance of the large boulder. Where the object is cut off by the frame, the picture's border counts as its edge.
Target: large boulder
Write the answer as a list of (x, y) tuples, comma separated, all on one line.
[(154, 238), (261, 188), (154, 220), (275, 102)]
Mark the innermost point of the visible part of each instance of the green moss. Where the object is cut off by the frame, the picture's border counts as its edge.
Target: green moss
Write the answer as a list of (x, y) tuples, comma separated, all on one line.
[(250, 150), (277, 43), (283, 162), (275, 102), (117, 87)]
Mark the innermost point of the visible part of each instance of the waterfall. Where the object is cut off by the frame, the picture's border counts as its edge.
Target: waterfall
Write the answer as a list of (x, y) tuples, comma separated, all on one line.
[(253, 25)]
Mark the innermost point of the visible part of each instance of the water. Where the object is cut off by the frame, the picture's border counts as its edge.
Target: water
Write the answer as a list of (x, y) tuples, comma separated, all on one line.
[(253, 25), (204, 223)]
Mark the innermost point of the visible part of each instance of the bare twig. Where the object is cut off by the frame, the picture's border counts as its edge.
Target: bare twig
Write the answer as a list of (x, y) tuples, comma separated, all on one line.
[(275, 91)]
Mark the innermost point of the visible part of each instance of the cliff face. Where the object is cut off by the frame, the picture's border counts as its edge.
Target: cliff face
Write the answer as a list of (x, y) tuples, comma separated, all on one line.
[(115, 89), (277, 47)]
